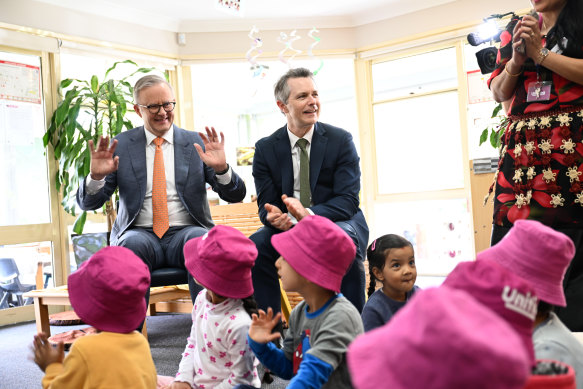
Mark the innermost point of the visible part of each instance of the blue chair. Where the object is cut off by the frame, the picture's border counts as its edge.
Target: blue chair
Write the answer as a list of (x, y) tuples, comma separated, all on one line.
[(10, 285)]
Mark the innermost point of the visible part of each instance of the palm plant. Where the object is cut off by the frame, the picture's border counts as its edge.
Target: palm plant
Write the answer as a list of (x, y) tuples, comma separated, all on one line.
[(105, 103)]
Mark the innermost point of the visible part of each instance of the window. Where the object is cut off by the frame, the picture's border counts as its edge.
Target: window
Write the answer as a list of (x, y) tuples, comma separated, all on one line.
[(245, 110), (24, 173), (419, 160)]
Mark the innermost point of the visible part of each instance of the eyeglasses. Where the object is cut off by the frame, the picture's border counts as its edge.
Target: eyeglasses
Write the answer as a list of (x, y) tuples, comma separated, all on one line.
[(155, 108)]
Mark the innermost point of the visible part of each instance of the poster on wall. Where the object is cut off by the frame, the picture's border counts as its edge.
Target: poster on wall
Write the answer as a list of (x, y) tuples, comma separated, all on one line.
[(245, 155), (478, 91), (20, 82)]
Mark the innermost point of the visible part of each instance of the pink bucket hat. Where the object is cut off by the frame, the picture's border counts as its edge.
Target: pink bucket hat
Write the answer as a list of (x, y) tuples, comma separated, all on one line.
[(502, 291), (318, 250), (538, 254), (108, 291), (221, 260), (442, 339)]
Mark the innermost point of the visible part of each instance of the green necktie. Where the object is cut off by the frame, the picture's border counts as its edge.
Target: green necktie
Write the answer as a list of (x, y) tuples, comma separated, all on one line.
[(305, 192)]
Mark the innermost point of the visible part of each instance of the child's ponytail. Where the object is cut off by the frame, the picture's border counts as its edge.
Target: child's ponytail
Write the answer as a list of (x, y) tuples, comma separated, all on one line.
[(250, 305)]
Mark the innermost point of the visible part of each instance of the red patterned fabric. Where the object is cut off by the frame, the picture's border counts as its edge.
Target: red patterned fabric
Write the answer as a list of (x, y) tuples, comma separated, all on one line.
[(540, 170)]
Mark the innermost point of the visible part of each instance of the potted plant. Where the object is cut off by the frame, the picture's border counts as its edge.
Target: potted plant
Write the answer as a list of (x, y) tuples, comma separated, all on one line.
[(496, 128), (105, 103)]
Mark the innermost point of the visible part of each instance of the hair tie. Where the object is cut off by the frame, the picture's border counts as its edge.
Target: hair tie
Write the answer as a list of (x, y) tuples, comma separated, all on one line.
[(374, 242)]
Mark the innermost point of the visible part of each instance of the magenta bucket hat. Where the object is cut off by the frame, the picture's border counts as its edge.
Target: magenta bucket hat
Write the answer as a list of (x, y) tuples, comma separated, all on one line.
[(318, 250), (505, 293), (108, 291), (221, 261), (538, 254), (441, 339)]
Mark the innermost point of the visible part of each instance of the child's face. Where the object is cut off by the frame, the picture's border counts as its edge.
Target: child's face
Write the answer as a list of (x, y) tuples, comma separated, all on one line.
[(290, 279), (399, 274)]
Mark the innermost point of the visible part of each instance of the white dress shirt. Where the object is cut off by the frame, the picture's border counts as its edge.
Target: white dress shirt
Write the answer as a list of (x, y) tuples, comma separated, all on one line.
[(295, 153), (177, 214)]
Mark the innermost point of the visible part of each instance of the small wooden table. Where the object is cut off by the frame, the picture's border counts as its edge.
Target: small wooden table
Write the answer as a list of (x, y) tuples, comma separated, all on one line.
[(60, 296)]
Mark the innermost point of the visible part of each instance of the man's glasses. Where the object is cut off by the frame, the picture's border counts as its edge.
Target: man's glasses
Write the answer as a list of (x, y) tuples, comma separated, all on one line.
[(155, 108)]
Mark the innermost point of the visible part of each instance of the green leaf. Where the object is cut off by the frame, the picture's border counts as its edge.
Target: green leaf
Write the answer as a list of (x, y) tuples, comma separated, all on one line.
[(80, 223), (494, 140), (65, 83), (117, 63), (496, 110), (94, 84), (484, 136)]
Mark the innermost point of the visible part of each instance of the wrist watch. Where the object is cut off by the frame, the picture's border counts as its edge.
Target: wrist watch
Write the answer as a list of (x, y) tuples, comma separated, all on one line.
[(542, 55)]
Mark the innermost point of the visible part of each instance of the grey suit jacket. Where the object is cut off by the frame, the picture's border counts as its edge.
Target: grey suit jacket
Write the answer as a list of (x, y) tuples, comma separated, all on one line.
[(191, 175)]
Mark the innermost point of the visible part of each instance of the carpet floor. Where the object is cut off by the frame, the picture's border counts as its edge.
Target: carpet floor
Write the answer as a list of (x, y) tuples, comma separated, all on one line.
[(167, 335)]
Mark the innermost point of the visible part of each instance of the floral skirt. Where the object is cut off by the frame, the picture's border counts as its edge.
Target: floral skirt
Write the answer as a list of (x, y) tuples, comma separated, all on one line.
[(540, 170)]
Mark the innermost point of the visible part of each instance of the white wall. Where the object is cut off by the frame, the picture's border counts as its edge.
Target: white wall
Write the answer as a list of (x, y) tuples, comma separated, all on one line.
[(30, 13)]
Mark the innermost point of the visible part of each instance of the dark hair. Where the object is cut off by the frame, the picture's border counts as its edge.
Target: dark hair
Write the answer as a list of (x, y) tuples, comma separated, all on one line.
[(281, 90), (544, 308), (250, 305), (568, 25), (377, 254)]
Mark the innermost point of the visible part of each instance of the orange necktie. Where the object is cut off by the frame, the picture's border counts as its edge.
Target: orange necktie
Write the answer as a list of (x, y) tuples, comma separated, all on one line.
[(159, 200)]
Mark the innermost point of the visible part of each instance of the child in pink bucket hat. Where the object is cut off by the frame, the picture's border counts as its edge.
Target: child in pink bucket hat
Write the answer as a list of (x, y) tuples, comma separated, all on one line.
[(541, 255), (106, 292), (217, 353), (442, 339), (508, 295), (315, 255)]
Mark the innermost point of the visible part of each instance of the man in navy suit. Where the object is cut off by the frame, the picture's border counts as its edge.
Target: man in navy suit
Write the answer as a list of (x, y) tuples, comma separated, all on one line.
[(334, 177), (127, 163)]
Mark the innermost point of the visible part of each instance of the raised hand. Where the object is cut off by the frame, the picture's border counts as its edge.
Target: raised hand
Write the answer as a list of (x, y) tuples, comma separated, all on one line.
[(45, 353), (276, 218), (102, 160), (295, 207), (214, 150), (262, 325)]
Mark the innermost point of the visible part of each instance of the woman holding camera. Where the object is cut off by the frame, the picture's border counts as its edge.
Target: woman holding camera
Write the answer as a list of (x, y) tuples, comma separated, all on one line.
[(540, 175)]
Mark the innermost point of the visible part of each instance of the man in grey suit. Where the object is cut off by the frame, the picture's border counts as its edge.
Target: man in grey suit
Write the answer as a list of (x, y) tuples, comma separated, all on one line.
[(128, 164)]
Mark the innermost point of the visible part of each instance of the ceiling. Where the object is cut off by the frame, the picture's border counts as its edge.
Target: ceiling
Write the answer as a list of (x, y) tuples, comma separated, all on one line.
[(206, 15)]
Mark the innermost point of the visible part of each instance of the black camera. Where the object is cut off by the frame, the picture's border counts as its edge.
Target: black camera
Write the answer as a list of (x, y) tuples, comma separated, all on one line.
[(487, 59), (489, 32)]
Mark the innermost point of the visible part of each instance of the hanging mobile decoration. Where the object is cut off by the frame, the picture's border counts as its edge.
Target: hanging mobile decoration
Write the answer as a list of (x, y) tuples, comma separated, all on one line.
[(288, 42), (232, 7), (256, 68), (310, 53)]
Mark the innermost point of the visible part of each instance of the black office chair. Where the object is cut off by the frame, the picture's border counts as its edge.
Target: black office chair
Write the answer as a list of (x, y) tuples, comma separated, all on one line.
[(11, 286)]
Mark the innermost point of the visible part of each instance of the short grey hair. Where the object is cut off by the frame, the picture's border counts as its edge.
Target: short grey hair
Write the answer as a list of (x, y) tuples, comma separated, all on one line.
[(148, 81), (281, 90)]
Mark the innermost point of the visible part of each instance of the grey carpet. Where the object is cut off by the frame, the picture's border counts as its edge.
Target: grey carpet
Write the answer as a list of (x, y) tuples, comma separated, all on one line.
[(167, 335)]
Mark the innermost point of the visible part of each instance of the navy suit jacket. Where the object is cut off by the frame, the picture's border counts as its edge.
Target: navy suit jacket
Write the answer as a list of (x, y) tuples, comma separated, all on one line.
[(334, 176), (191, 174)]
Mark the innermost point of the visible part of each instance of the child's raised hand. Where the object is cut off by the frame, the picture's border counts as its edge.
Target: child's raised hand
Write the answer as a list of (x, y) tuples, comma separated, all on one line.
[(262, 325), (45, 353)]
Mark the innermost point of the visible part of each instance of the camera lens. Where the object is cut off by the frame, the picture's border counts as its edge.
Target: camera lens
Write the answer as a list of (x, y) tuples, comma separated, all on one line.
[(487, 59)]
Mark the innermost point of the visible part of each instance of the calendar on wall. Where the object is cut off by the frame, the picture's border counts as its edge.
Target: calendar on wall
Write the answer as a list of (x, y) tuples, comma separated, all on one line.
[(20, 82)]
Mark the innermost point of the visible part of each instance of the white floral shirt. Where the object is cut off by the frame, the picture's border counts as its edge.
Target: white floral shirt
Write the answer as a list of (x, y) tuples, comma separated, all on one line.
[(217, 354)]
